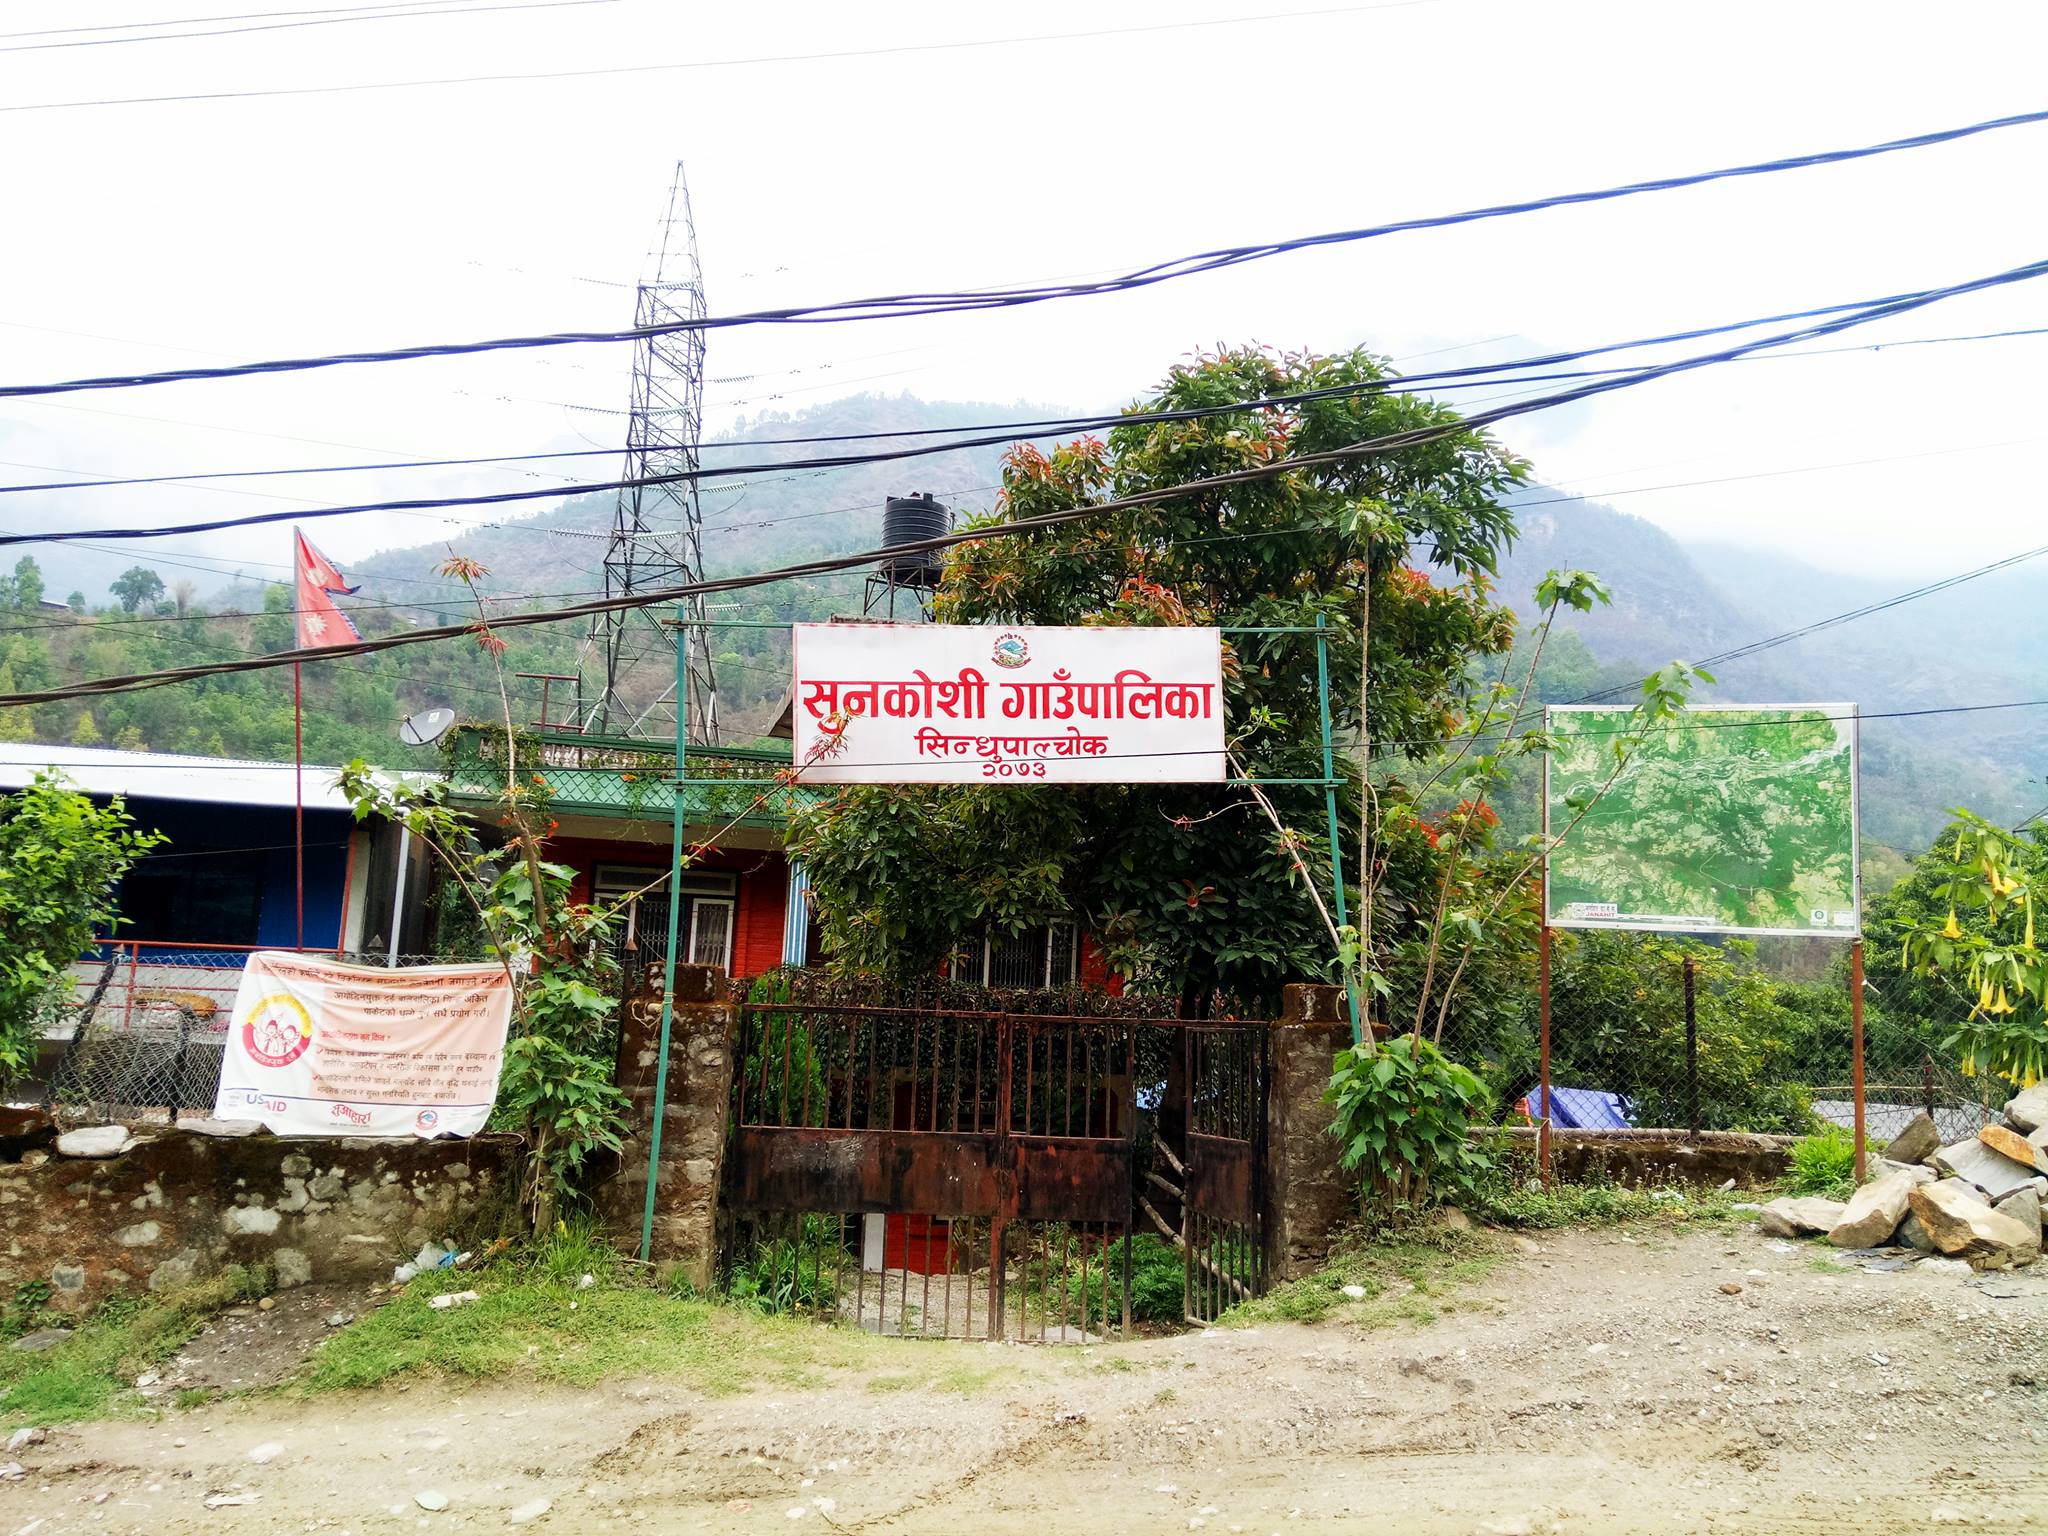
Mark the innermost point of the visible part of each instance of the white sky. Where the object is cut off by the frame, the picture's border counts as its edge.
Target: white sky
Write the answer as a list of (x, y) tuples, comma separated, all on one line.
[(255, 228)]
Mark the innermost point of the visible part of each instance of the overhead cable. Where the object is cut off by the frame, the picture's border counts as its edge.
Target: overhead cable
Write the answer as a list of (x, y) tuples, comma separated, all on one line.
[(968, 300), (1390, 443), (1877, 310)]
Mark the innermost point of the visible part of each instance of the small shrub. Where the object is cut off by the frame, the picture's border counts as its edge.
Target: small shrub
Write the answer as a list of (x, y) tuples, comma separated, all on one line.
[(791, 1272), (1405, 1113), (1158, 1276), (1824, 1164)]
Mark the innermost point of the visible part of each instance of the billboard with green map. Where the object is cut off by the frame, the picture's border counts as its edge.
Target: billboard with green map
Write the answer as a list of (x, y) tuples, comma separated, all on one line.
[(1723, 820)]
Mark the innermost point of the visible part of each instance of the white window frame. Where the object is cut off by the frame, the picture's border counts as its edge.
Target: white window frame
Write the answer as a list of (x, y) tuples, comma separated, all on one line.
[(985, 959), (697, 906)]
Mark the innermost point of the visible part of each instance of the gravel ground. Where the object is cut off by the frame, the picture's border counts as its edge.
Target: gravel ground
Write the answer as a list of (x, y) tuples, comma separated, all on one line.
[(1709, 1381)]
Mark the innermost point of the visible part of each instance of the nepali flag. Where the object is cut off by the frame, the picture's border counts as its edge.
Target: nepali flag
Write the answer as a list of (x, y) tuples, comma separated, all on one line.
[(320, 621)]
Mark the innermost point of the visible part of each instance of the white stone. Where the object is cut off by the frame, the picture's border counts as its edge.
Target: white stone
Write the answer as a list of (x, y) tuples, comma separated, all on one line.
[(1962, 1228), (94, 1141), (1799, 1216), (268, 1451), (141, 1235), (431, 1500), (291, 1268), (251, 1220), (209, 1127), (528, 1512), (1873, 1213), (2029, 1111), (1993, 1172)]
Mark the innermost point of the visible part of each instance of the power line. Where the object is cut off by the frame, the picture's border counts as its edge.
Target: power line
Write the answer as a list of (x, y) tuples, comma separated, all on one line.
[(696, 64), (1052, 426), (1392, 442), (1875, 311), (196, 21), (381, 14), (969, 300)]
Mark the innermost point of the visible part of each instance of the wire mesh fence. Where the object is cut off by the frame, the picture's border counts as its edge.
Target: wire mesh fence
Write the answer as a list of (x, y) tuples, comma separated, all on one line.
[(1656, 1032)]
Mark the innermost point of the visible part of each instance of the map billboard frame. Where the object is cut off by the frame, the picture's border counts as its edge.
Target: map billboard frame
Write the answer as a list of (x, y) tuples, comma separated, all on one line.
[(1644, 922)]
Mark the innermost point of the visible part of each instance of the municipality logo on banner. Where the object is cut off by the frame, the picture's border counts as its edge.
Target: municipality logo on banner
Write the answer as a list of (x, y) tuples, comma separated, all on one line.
[(320, 1048)]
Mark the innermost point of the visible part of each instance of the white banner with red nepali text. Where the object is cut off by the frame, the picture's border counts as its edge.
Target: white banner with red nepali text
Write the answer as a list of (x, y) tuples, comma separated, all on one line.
[(320, 1048), (974, 704)]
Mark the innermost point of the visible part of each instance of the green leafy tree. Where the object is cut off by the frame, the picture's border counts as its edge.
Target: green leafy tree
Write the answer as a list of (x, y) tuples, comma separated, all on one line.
[(87, 732), (1985, 949), (135, 586), (1196, 890), (28, 584), (61, 857)]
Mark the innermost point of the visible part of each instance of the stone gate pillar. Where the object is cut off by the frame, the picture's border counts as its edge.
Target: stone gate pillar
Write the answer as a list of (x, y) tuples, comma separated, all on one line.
[(693, 1133), (1308, 1194)]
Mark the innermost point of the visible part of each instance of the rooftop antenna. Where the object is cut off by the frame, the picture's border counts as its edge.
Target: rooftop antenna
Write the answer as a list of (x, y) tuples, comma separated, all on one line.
[(657, 537)]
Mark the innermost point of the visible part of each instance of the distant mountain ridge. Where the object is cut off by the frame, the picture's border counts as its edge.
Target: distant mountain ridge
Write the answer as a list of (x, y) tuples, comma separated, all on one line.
[(1986, 641)]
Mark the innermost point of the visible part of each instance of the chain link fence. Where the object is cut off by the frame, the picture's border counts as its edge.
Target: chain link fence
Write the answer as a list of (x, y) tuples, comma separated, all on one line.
[(145, 1037), (1655, 1032)]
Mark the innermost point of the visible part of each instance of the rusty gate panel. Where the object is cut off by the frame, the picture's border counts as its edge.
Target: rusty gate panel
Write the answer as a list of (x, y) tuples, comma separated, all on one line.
[(1071, 1178), (1223, 1230), (1221, 1181), (804, 1168)]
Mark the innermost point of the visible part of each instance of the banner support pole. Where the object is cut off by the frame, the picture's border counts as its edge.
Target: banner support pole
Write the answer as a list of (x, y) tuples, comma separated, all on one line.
[(1543, 1051), (668, 961), (1856, 1051), (1358, 1032)]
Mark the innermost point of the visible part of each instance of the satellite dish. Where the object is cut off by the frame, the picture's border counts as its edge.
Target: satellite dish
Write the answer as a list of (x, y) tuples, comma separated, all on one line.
[(426, 727)]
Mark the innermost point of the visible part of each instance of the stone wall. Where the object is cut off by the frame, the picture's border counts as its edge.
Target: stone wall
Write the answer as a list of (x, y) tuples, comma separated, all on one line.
[(1643, 1159), (693, 1130), (177, 1205)]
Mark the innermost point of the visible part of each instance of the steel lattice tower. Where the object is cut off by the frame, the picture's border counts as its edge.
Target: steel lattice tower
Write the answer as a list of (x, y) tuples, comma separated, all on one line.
[(657, 531)]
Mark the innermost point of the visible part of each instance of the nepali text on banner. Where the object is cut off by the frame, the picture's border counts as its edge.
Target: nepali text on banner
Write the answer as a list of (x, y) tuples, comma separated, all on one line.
[(321, 1048)]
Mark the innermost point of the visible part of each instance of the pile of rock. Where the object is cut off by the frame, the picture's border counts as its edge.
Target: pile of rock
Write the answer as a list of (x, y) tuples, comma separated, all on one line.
[(1980, 1200)]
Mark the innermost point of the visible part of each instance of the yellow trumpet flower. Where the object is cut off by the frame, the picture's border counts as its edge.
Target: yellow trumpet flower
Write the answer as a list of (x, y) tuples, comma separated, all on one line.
[(2003, 1005), (1950, 930)]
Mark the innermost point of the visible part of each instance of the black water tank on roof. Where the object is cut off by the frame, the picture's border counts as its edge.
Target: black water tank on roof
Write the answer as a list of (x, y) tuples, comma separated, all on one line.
[(910, 520)]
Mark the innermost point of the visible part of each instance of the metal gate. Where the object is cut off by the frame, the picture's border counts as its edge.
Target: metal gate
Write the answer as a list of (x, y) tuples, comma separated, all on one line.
[(1223, 1226), (957, 1174)]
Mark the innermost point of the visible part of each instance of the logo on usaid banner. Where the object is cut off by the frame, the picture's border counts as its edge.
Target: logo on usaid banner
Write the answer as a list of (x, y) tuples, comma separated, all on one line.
[(277, 1031), (1011, 650)]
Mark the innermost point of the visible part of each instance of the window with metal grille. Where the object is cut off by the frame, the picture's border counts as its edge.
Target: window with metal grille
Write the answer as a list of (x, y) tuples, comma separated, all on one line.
[(705, 923), (1037, 957)]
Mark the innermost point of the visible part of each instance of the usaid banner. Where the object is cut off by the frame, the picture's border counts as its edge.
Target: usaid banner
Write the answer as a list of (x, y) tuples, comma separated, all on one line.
[(320, 1048), (979, 704)]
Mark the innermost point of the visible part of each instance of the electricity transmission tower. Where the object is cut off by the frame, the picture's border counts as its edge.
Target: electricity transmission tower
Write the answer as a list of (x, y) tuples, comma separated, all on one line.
[(657, 530)]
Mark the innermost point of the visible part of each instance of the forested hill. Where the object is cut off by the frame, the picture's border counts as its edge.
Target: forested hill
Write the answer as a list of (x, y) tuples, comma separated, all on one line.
[(1668, 602)]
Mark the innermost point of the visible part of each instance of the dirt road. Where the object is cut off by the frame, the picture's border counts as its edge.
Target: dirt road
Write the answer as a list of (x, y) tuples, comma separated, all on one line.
[(1597, 1384)]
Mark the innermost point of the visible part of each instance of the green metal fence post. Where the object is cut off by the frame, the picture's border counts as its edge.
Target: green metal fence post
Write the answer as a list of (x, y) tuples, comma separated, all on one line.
[(1330, 806), (668, 963)]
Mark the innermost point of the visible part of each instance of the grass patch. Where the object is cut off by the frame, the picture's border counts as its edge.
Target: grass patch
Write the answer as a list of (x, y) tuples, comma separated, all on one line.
[(1594, 1205), (88, 1375), (531, 1318), (1407, 1277), (1824, 1164)]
